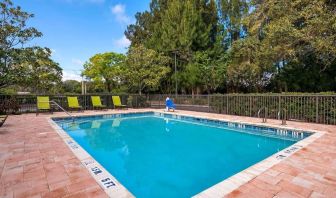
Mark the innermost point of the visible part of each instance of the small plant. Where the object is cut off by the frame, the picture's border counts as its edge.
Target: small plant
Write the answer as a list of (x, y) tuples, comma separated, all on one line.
[(9, 106)]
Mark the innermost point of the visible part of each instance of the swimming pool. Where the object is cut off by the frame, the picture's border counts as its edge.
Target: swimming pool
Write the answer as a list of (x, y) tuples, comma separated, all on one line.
[(165, 155)]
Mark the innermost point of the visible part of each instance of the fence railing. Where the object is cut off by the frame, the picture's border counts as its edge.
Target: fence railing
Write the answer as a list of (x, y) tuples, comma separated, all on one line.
[(303, 107)]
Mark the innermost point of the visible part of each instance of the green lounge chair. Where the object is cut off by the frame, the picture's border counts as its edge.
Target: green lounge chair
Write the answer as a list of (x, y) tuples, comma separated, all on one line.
[(43, 104), (96, 102), (117, 102), (73, 103), (2, 119)]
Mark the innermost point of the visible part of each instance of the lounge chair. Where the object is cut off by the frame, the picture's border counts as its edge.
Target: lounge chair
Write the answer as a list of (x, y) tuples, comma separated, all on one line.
[(43, 104), (73, 103), (2, 119), (117, 102), (96, 103), (170, 104)]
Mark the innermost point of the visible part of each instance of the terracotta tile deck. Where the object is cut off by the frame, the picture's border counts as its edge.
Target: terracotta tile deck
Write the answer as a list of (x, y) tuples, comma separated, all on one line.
[(35, 162)]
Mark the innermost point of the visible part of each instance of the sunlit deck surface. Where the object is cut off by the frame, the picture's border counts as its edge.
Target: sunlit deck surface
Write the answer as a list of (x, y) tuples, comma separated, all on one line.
[(35, 162)]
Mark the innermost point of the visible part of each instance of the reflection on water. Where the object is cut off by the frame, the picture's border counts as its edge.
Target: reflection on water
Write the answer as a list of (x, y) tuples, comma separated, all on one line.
[(168, 124)]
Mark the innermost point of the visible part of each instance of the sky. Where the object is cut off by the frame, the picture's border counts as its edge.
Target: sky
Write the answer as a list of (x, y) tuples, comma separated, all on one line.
[(75, 30)]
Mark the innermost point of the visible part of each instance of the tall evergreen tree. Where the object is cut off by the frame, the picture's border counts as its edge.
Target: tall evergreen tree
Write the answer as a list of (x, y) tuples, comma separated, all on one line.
[(232, 13)]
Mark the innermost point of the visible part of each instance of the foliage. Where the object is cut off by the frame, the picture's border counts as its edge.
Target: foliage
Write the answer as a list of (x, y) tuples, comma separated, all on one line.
[(72, 86), (232, 15), (242, 46), (204, 72), (41, 73), (9, 106), (8, 90), (181, 29), (219, 46), (19, 65), (145, 68), (292, 43), (105, 69)]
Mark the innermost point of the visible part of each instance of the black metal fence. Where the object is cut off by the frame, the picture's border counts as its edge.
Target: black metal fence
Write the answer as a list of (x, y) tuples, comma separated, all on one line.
[(303, 107)]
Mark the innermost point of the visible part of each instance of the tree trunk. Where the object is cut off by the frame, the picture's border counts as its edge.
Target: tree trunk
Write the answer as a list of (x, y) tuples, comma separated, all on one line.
[(108, 85), (140, 89)]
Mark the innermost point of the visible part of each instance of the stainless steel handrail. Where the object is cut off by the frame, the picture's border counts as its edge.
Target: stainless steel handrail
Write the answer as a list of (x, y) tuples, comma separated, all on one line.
[(284, 118), (65, 111), (264, 119)]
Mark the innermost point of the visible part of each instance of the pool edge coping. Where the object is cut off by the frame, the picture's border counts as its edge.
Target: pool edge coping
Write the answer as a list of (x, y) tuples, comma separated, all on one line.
[(111, 186), (220, 189), (232, 183)]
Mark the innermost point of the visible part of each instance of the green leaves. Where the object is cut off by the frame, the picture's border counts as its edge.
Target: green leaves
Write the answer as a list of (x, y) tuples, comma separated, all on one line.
[(295, 34), (13, 30), (178, 27), (145, 68), (105, 69), (234, 45), (32, 67)]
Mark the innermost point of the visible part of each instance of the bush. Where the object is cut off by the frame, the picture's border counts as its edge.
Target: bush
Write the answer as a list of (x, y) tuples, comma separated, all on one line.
[(8, 106)]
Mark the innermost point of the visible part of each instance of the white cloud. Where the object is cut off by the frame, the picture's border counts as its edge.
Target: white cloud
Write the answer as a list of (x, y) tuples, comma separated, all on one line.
[(122, 42), (118, 11), (77, 62), (71, 75)]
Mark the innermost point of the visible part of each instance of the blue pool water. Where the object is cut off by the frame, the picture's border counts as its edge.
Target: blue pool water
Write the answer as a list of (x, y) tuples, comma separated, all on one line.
[(160, 156)]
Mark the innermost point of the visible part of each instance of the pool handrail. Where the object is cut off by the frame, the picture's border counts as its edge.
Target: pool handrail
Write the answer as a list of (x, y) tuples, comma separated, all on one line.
[(264, 119), (283, 121), (65, 111)]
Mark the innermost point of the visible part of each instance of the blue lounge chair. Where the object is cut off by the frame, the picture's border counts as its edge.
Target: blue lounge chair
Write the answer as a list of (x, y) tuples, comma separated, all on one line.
[(170, 105)]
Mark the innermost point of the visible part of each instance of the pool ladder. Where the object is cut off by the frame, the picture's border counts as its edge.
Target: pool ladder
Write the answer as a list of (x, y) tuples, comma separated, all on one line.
[(284, 117), (264, 119)]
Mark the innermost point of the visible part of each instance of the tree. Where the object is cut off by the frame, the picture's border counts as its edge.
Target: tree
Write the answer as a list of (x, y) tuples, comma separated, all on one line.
[(232, 14), (179, 28), (145, 68), (284, 36), (42, 74), (105, 69), (242, 45), (72, 86), (29, 67), (141, 30), (13, 32)]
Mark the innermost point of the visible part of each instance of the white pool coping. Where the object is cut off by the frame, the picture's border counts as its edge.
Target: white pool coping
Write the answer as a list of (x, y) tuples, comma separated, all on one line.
[(107, 182), (113, 188)]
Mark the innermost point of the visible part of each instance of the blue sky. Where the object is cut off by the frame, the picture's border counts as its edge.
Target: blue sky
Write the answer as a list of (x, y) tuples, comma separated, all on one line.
[(75, 30)]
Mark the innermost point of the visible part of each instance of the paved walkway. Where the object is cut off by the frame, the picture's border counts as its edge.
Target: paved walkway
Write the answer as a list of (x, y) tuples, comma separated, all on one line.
[(35, 162)]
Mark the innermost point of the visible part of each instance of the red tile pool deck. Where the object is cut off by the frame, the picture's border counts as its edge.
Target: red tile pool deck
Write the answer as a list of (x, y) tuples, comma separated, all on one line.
[(35, 162)]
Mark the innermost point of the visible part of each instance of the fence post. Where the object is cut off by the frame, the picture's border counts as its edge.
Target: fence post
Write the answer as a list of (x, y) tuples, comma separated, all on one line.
[(317, 118), (279, 98), (222, 106), (227, 104), (208, 103), (86, 102), (250, 98)]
